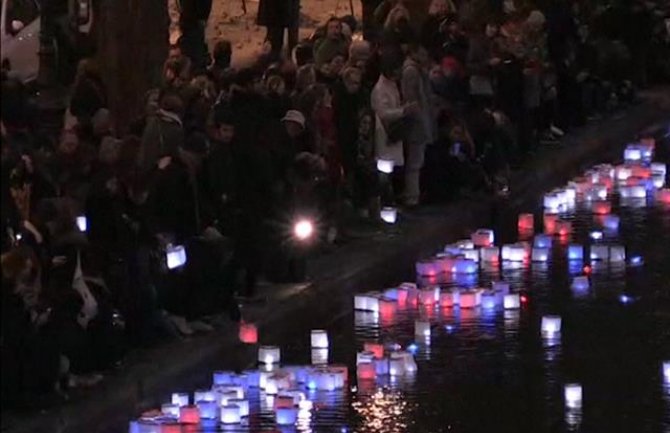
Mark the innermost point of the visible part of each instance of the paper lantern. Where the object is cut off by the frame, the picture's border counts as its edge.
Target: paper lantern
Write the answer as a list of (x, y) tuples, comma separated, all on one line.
[(242, 404), (600, 252), (512, 301), (176, 256), (464, 266), (325, 381), (552, 201), (573, 395), (248, 333), (490, 254), (396, 367), (286, 416), (658, 180), (305, 405), (189, 415), (611, 222), (580, 283), (82, 223), (633, 191), (269, 354), (658, 168), (483, 238), (549, 220), (376, 349), (632, 153), (319, 356), (365, 356), (551, 326), (596, 192), (444, 262), (449, 298), (204, 395), (500, 286), (429, 295), (490, 301), (422, 328), (666, 372), (540, 255), (222, 378), (617, 253), (381, 367), (469, 255), (170, 409), (389, 215), (663, 196), (542, 241), (470, 299), (526, 222), (366, 303), (596, 235), (180, 398), (623, 172), (208, 409), (385, 166), (253, 378), (575, 252), (427, 268), (563, 227), (601, 207), (514, 253), (366, 371), (230, 414), (319, 339)]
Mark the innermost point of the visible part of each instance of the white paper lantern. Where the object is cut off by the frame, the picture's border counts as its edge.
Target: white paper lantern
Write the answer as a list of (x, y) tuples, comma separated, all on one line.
[(269, 354), (483, 238), (422, 328), (633, 191), (385, 166), (512, 301), (319, 356), (82, 223), (365, 356), (617, 253), (366, 302), (632, 153), (658, 168), (470, 255), (176, 256), (623, 172), (575, 252), (242, 404), (540, 255), (552, 201), (490, 254), (513, 253), (551, 326), (658, 180), (396, 367), (600, 252), (180, 398), (204, 395), (230, 414), (389, 215), (319, 339), (573, 395), (170, 409)]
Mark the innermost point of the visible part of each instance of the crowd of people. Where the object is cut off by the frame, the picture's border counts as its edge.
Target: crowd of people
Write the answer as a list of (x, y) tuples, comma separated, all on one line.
[(223, 159)]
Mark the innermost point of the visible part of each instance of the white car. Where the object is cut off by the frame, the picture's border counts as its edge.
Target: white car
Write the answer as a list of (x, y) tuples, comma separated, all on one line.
[(20, 31)]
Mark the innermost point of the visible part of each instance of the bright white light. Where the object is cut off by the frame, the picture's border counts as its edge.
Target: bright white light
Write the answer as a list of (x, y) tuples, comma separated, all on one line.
[(176, 256), (319, 339), (303, 229), (385, 166), (389, 215), (573, 395), (82, 223), (551, 325), (666, 372)]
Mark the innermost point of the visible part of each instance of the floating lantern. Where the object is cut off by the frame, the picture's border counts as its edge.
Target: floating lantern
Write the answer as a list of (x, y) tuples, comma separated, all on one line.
[(526, 222), (666, 372), (596, 235), (514, 253), (230, 414), (551, 326), (611, 222), (634, 191), (385, 166), (319, 339), (389, 215), (175, 256), (540, 255), (512, 301), (601, 207), (658, 168), (208, 409), (464, 266), (171, 410), (563, 227), (422, 328), (427, 268), (490, 300), (204, 395), (470, 299), (663, 196), (269, 355), (500, 286), (82, 223), (319, 356), (180, 399), (381, 367), (617, 253), (490, 254), (242, 404), (366, 303), (365, 356), (375, 348), (483, 238), (248, 333), (366, 371), (189, 415), (600, 252), (552, 201), (575, 252), (449, 299), (632, 153), (549, 220), (470, 255), (573, 395), (542, 241)]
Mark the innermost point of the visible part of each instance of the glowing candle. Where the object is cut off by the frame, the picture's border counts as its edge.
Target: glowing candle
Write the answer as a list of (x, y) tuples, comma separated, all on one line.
[(366, 371), (573, 395), (551, 326), (230, 414), (319, 339), (375, 348), (512, 301), (269, 354)]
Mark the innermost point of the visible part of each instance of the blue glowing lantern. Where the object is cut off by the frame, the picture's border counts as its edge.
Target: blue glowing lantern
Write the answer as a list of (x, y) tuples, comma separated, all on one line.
[(222, 377), (500, 286), (208, 409), (540, 254), (611, 222), (180, 398), (464, 266), (542, 241), (575, 252), (175, 256), (580, 283)]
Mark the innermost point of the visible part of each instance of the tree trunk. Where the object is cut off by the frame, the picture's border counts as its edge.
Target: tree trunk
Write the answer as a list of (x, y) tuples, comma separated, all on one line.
[(132, 43)]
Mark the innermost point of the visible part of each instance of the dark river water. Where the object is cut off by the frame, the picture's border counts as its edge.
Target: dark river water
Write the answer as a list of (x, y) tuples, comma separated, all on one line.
[(490, 370)]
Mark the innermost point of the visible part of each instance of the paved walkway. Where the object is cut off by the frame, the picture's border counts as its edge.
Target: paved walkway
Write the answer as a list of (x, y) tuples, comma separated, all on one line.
[(150, 375)]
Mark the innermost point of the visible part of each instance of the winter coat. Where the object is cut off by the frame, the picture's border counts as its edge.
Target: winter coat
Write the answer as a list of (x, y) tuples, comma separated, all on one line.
[(347, 107), (163, 136), (388, 108), (278, 13), (416, 88)]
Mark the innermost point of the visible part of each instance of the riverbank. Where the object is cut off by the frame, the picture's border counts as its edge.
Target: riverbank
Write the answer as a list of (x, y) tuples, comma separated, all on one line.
[(149, 375)]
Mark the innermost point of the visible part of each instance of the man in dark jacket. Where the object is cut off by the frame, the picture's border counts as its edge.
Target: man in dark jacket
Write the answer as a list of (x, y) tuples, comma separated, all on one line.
[(193, 20), (277, 15)]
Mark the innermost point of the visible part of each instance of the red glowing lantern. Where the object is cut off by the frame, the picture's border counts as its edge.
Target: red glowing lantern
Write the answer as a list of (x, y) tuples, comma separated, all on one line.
[(601, 207), (248, 333), (526, 222), (376, 348), (189, 415), (171, 428), (366, 371), (587, 269), (563, 228), (550, 220), (663, 196)]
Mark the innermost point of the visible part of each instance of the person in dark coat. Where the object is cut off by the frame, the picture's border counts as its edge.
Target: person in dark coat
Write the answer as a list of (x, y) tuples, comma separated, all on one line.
[(89, 94), (277, 16), (193, 20)]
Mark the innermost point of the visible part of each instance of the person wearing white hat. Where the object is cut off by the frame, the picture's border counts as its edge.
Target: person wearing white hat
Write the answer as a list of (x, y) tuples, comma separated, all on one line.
[(294, 122)]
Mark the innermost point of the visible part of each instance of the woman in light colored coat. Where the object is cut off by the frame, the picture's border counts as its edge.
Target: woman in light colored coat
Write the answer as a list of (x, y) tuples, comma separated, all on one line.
[(388, 108)]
